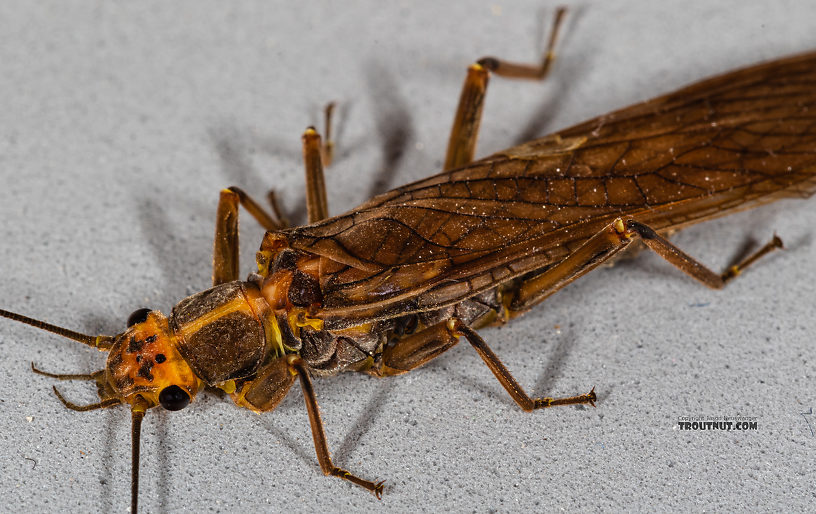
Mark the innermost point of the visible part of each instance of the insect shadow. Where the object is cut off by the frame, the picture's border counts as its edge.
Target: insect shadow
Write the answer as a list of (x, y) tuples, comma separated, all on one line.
[(393, 124), (368, 414), (279, 435), (570, 69), (168, 248), (234, 149), (111, 443), (558, 357), (559, 354), (162, 451), (365, 420)]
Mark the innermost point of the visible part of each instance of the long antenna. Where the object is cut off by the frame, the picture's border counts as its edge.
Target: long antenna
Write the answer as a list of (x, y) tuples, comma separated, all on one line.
[(137, 412), (99, 342)]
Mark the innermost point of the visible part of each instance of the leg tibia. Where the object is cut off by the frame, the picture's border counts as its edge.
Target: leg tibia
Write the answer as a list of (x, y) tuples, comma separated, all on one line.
[(465, 130), (417, 349), (608, 242)]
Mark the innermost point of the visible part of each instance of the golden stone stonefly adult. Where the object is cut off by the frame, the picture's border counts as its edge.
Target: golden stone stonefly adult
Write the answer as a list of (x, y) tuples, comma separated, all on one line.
[(389, 286)]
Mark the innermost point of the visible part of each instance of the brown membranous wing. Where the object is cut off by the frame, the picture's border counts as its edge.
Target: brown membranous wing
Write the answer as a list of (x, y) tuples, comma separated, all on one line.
[(721, 145)]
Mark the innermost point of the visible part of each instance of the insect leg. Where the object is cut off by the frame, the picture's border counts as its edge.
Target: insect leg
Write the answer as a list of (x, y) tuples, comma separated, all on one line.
[(690, 266), (316, 203), (256, 211), (225, 244), (598, 249), (318, 434), (283, 221), (419, 348), (465, 130), (506, 379), (411, 352), (327, 150), (609, 241), (317, 207)]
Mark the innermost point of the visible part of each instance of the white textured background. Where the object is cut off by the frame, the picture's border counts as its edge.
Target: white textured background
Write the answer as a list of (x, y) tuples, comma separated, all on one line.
[(121, 122)]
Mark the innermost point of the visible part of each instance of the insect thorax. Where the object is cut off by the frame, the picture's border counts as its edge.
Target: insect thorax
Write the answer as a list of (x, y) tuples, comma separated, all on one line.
[(290, 282), (360, 348), (221, 332)]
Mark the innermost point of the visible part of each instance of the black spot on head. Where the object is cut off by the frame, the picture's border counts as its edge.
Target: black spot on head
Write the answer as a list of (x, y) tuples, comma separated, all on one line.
[(134, 345), (144, 370), (150, 339), (160, 358), (138, 358)]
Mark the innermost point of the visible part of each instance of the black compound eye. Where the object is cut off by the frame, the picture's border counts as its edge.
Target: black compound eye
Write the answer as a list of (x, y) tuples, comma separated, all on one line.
[(174, 398), (139, 316)]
